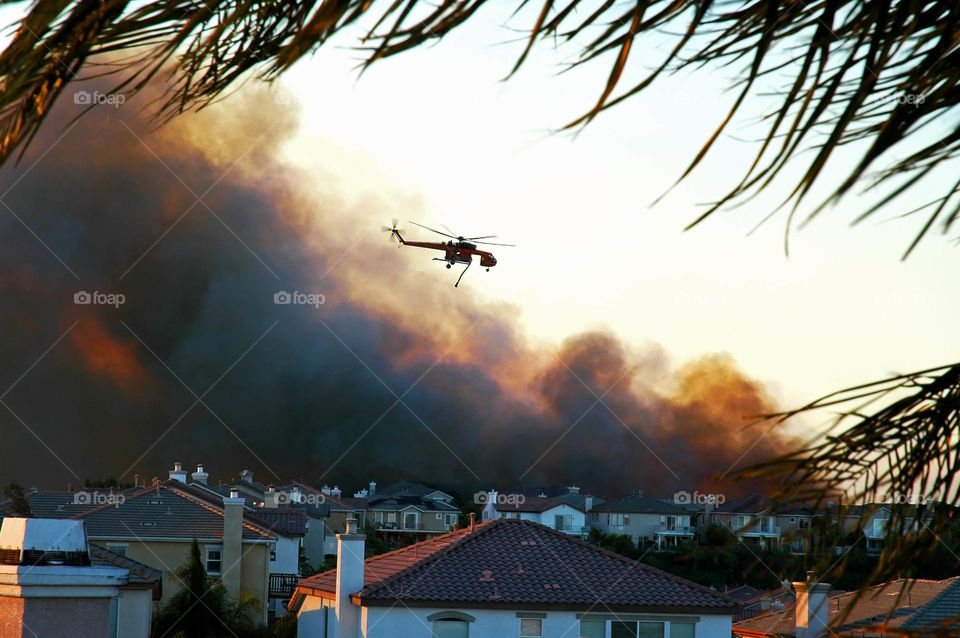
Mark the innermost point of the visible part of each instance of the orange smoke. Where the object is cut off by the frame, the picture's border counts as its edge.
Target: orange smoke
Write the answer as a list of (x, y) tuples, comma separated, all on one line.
[(107, 356)]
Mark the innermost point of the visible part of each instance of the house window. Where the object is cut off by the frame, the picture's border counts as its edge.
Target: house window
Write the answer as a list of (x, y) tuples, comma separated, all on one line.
[(620, 519), (803, 523), (650, 629), (671, 523), (410, 520), (563, 522), (451, 624), (117, 548), (636, 629), (451, 629), (214, 559), (531, 627), (449, 519)]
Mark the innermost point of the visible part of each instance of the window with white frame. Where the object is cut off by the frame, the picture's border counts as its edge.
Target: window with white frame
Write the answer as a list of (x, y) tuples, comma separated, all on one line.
[(619, 519), (618, 627), (410, 520), (214, 562), (449, 519)]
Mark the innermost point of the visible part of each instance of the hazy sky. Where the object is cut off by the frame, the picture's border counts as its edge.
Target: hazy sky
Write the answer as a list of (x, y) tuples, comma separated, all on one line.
[(476, 153), (436, 136)]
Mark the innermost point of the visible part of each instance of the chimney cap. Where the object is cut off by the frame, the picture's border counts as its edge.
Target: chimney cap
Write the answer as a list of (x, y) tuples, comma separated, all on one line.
[(177, 466), (234, 492)]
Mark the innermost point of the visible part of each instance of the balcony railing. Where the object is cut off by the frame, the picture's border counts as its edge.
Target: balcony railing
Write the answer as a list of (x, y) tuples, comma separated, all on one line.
[(677, 530), (282, 585)]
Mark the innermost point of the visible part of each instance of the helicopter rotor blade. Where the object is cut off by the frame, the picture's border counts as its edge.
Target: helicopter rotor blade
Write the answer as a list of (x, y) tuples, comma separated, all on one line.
[(476, 238), (490, 243), (434, 230)]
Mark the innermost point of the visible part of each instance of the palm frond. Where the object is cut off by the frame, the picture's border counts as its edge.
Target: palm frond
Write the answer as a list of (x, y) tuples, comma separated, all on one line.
[(873, 71), (904, 456)]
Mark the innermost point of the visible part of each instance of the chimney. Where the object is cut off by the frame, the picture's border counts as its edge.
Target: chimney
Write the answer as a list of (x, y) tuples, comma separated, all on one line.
[(573, 489), (373, 488), (325, 490), (812, 608), (178, 473), (588, 503), (295, 495), (270, 498), (349, 579), (200, 476), (136, 480), (473, 520), (232, 541), (336, 492), (489, 511), (247, 476)]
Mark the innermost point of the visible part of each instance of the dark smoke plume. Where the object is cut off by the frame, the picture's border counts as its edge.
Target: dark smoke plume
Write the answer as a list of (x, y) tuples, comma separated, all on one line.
[(198, 225)]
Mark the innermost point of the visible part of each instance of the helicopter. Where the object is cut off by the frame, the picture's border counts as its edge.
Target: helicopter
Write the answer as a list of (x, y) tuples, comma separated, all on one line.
[(460, 251)]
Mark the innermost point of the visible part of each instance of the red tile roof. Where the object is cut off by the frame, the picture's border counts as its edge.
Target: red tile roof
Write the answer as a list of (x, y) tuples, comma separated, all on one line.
[(520, 564), (876, 606), (383, 566)]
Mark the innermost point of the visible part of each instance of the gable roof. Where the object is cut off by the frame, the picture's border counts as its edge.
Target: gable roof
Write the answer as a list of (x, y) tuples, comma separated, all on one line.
[(139, 574), (155, 512), (877, 605), (287, 520), (639, 504), (749, 504), (405, 488), (944, 607), (520, 564), (531, 504), (397, 503)]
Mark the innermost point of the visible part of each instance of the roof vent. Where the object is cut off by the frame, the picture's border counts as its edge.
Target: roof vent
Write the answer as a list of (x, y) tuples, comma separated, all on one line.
[(486, 576)]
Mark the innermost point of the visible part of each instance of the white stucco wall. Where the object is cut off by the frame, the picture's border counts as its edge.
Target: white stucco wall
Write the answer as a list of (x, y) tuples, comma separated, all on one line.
[(377, 622), (135, 609), (288, 556)]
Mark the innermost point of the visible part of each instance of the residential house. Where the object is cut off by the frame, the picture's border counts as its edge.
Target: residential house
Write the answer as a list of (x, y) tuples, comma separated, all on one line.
[(136, 596), (882, 610), (645, 520), (49, 586), (287, 522), (750, 518), (874, 520), (410, 508), (552, 512), (502, 578), (796, 524), (156, 526)]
